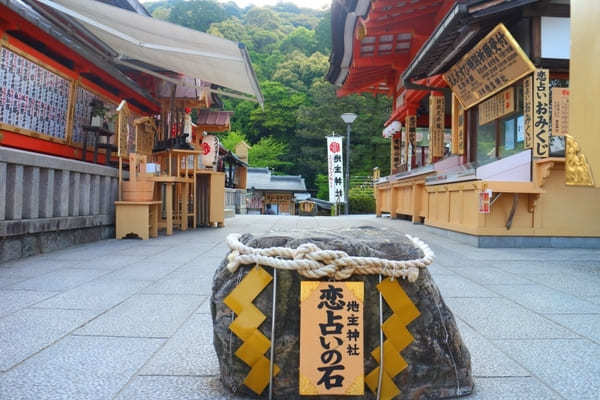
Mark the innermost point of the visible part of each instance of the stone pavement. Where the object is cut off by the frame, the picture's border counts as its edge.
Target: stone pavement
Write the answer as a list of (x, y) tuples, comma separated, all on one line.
[(130, 319)]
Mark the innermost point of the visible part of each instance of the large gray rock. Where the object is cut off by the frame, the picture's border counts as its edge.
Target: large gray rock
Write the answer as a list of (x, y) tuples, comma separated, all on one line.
[(439, 364)]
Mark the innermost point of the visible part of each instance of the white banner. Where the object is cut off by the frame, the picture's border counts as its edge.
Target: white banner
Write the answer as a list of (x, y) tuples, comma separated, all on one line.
[(335, 165)]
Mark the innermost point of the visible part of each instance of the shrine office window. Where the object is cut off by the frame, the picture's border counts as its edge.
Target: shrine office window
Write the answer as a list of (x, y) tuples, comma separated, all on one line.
[(500, 125)]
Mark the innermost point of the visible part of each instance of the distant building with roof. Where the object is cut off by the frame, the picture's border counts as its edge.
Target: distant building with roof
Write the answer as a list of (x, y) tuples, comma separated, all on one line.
[(272, 194)]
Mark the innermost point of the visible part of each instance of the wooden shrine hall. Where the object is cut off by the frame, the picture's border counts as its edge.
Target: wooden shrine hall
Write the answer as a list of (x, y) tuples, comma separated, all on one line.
[(483, 135), (97, 106)]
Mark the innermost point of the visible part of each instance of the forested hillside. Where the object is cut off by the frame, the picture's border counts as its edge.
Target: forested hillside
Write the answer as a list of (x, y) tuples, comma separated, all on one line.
[(289, 47)]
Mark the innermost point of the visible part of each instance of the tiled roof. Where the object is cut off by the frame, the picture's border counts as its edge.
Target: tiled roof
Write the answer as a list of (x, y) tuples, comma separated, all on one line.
[(261, 179), (213, 118)]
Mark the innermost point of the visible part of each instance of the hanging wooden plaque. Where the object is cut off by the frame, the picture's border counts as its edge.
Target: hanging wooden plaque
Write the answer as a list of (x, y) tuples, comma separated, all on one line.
[(458, 126), (560, 111), (496, 62), (528, 111), (436, 125), (541, 113), (331, 338)]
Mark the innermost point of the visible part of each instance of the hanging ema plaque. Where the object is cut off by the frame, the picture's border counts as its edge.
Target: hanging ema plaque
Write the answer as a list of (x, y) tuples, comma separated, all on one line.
[(496, 62), (331, 338)]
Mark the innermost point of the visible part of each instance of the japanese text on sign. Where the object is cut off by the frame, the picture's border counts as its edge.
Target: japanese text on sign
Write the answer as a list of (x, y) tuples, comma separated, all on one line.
[(528, 111), (396, 153), (497, 106), (495, 62), (560, 111), (331, 338), (436, 125), (541, 113), (458, 126), (335, 166)]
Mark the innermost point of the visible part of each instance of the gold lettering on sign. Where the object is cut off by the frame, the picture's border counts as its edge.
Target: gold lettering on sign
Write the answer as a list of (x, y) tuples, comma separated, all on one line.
[(458, 126), (436, 125), (541, 113), (560, 111), (497, 106), (496, 62), (331, 338), (528, 111)]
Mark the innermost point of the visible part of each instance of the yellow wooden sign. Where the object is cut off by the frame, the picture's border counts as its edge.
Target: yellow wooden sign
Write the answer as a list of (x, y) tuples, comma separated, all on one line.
[(396, 153), (436, 125), (497, 106), (458, 126), (528, 110), (331, 338), (541, 113), (560, 111), (496, 62)]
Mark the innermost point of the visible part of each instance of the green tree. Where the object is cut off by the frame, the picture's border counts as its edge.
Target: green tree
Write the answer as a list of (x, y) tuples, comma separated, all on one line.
[(268, 152), (196, 14)]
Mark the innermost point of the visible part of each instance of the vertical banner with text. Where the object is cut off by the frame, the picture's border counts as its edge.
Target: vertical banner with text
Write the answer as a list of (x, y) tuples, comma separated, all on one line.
[(331, 338), (458, 126), (335, 167), (528, 111), (436, 125), (541, 113), (411, 129)]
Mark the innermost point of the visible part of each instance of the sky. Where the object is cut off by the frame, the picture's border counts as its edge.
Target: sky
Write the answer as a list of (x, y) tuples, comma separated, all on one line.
[(318, 4)]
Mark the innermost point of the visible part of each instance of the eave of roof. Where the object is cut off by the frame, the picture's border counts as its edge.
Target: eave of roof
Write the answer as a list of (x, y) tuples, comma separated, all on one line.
[(464, 25)]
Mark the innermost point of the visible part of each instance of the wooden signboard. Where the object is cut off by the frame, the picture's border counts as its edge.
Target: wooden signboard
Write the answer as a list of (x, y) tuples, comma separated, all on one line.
[(331, 338), (458, 126), (497, 106), (411, 129), (528, 111), (436, 125), (396, 153), (560, 111), (541, 113), (496, 62)]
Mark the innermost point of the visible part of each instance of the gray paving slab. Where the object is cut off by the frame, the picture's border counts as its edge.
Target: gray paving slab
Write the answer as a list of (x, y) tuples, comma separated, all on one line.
[(100, 295), (499, 318), (59, 280), (189, 352), (15, 300), (456, 286), (32, 267), (569, 366), (144, 315), (487, 360), (27, 332), (175, 388), (593, 299), (587, 325), (78, 367), (181, 285), (545, 300), (4, 282), (204, 307), (574, 283), (143, 271), (512, 389), (492, 276)]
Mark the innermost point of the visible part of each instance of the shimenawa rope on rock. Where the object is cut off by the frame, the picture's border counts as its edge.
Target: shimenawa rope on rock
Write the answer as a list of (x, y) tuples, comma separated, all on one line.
[(312, 262)]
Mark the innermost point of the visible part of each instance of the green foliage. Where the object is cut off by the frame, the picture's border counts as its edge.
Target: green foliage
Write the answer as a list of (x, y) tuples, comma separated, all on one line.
[(289, 47), (230, 140), (361, 201), (322, 184), (268, 152)]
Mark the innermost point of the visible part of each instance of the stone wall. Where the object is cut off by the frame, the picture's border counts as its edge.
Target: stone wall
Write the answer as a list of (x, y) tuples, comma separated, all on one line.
[(48, 203)]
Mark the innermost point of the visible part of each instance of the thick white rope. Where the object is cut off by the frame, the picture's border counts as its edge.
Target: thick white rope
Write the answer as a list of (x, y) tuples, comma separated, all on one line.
[(313, 262)]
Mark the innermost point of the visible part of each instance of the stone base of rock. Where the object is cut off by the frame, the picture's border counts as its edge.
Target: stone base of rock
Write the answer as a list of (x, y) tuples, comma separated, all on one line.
[(439, 364)]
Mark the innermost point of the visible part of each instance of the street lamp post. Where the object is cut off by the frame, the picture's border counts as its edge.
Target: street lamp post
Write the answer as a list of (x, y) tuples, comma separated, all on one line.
[(348, 119)]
